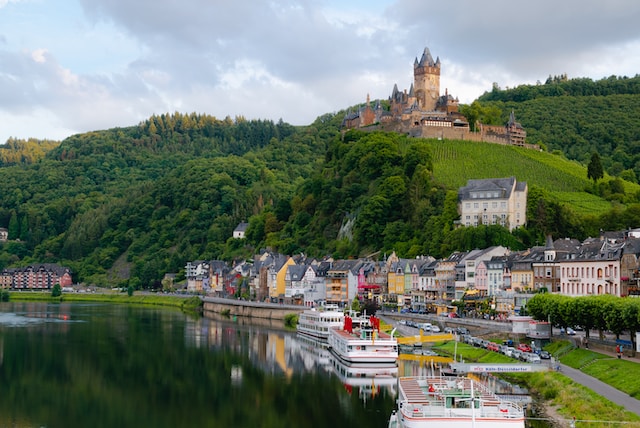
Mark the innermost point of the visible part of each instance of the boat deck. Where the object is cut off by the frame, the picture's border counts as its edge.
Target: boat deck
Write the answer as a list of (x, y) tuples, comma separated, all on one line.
[(446, 397), (356, 334)]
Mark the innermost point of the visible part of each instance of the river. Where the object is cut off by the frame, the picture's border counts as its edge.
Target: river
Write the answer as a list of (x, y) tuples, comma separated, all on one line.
[(102, 365)]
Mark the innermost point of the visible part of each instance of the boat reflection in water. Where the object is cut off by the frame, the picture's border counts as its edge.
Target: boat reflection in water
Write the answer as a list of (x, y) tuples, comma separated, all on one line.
[(368, 380), (317, 349)]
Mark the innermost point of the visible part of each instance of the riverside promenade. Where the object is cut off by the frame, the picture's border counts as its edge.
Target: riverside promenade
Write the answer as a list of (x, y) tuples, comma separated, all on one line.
[(612, 394)]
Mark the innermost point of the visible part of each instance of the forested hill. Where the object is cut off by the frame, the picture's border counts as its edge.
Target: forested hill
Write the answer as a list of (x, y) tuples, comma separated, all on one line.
[(127, 205), (143, 200), (579, 117)]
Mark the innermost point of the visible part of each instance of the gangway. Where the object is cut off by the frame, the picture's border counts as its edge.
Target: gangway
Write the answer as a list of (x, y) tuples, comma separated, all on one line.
[(424, 338), (436, 359), (498, 368)]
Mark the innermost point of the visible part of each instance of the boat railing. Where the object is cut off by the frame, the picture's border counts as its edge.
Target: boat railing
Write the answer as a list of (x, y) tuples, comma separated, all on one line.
[(437, 409), (503, 409), (433, 409)]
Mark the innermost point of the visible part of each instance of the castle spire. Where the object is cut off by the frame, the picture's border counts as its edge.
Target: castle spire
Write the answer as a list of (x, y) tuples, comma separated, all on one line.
[(427, 59)]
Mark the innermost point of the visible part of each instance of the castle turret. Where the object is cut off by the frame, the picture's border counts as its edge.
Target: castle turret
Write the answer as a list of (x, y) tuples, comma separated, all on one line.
[(426, 75)]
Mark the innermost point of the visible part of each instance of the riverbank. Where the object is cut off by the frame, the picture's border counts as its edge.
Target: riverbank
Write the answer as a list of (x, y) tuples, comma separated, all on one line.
[(186, 303), (564, 399)]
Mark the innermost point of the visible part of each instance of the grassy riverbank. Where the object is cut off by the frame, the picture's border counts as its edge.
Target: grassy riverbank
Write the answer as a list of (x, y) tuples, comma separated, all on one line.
[(563, 397), (193, 304), (621, 374)]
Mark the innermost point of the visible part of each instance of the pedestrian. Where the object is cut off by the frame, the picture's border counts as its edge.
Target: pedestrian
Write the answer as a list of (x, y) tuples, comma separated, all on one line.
[(586, 342), (618, 351)]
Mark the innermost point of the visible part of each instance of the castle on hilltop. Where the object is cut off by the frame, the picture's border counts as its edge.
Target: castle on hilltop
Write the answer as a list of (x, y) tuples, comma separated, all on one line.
[(423, 112)]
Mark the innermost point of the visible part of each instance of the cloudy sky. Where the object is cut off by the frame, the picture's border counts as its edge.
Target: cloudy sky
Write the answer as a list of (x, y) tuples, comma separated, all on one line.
[(69, 66)]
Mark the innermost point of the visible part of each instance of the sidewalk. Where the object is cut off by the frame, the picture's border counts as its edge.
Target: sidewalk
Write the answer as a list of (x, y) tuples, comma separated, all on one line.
[(601, 388)]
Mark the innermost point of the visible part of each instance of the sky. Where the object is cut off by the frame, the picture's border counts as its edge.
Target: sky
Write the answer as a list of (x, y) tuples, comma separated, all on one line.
[(71, 66)]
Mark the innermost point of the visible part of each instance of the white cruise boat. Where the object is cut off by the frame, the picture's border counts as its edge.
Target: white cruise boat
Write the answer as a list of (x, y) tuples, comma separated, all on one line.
[(452, 402), (360, 341), (317, 322)]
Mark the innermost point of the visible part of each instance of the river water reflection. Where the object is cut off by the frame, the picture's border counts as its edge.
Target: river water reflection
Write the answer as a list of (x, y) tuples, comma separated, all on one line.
[(98, 365)]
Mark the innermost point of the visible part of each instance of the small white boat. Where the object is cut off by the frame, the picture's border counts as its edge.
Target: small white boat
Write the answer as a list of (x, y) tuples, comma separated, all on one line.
[(317, 322), (360, 341), (452, 402)]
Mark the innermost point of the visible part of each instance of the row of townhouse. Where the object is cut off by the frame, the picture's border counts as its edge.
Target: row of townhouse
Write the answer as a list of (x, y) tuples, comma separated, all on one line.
[(36, 277), (604, 265)]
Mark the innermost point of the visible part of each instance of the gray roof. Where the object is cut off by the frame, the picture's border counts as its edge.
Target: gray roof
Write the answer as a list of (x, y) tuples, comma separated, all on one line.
[(241, 227), (296, 272), (503, 186)]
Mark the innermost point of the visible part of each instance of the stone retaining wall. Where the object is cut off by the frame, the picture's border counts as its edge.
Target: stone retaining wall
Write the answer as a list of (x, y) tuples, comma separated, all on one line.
[(248, 309)]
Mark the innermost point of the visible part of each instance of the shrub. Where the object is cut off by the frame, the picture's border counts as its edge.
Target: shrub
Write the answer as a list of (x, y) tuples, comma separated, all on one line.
[(56, 291), (291, 320)]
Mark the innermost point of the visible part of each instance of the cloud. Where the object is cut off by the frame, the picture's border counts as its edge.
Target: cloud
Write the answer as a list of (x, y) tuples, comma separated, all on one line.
[(97, 64), (3, 3)]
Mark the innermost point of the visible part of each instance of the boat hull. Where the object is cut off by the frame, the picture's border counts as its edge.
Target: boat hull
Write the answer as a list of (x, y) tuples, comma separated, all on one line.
[(353, 349), (457, 422)]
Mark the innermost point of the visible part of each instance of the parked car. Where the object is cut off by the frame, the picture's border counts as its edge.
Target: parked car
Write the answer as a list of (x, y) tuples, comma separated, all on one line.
[(517, 354), (524, 347), (462, 330), (426, 326), (508, 351), (532, 358), (448, 330), (491, 346), (545, 355), (435, 329)]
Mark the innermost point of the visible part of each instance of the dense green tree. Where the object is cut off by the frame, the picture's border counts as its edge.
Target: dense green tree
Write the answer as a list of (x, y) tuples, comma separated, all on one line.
[(56, 291), (594, 169), (14, 226)]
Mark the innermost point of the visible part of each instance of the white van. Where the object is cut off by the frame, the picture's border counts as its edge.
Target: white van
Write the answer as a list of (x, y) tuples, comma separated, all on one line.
[(426, 326)]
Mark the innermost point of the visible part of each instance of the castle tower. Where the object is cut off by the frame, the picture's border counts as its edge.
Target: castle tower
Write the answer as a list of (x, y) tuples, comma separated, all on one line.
[(426, 76)]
